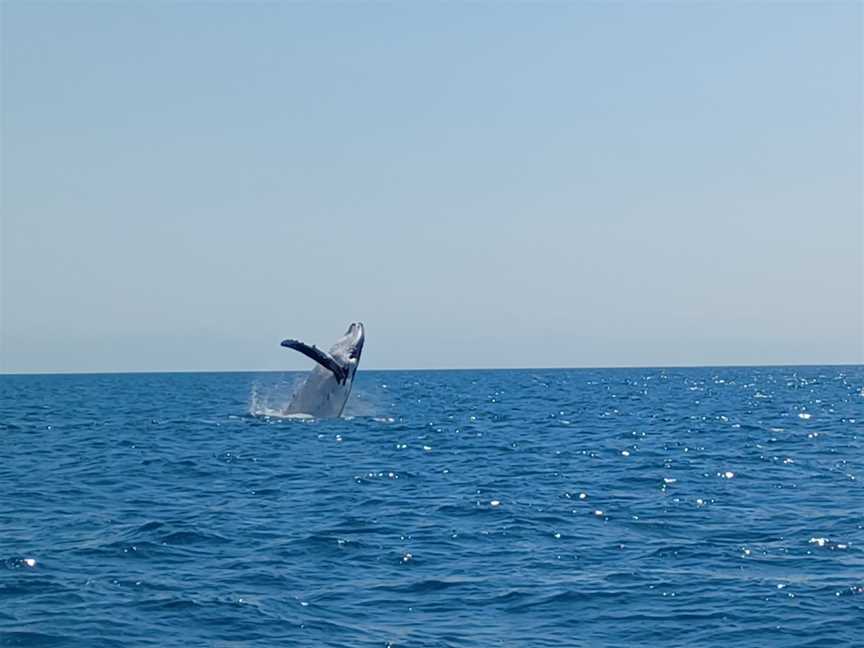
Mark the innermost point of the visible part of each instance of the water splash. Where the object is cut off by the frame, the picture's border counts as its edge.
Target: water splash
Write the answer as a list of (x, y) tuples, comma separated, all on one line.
[(274, 399)]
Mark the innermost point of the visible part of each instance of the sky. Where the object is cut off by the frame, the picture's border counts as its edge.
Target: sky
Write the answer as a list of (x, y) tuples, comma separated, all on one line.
[(483, 185)]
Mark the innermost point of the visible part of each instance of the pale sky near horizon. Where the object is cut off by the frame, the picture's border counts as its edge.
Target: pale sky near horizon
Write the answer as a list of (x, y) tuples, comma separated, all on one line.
[(484, 185)]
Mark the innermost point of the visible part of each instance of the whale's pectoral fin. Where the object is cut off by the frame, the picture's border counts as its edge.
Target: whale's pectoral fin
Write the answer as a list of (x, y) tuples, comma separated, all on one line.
[(324, 359)]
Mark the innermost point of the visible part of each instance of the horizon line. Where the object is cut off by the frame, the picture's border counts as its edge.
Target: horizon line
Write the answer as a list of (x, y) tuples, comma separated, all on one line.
[(579, 368)]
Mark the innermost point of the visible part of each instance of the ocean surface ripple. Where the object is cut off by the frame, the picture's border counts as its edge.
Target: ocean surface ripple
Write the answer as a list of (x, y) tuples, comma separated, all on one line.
[(673, 507)]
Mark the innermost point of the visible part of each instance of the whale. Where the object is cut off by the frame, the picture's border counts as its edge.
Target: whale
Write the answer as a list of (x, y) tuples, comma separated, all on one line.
[(326, 389)]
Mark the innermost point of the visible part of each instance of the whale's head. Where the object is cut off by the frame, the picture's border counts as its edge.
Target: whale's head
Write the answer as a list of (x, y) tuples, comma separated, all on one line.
[(348, 348)]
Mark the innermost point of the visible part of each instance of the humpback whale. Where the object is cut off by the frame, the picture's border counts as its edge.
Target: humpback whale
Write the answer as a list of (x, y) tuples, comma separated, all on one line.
[(326, 390)]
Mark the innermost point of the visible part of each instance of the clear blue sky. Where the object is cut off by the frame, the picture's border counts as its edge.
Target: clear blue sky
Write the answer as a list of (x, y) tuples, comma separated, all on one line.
[(184, 185)]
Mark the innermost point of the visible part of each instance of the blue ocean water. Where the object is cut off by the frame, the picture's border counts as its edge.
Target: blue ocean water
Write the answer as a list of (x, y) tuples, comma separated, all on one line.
[(676, 507)]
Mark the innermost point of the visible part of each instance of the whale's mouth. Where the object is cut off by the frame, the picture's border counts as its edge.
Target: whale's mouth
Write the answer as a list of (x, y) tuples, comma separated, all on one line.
[(356, 330)]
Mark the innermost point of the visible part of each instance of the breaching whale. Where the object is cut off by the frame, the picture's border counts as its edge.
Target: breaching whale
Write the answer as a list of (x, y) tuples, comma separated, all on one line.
[(326, 390)]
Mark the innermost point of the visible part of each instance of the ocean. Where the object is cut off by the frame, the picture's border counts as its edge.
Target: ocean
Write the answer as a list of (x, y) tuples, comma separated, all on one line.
[(585, 507)]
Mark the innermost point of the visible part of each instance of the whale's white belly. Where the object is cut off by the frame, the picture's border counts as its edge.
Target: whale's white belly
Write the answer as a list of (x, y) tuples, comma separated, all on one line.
[(321, 396)]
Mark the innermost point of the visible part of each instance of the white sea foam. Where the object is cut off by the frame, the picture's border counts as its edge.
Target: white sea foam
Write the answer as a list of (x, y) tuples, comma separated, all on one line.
[(819, 541)]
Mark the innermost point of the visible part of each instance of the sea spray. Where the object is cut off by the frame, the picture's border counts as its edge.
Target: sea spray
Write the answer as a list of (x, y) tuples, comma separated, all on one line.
[(273, 398)]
